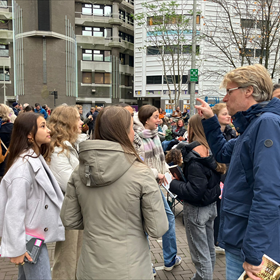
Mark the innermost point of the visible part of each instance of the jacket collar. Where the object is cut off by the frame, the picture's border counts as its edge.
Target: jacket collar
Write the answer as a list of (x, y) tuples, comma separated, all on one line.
[(44, 177), (241, 120)]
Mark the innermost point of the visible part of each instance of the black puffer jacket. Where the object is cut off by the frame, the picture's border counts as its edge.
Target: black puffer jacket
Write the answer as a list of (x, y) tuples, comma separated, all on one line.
[(203, 181)]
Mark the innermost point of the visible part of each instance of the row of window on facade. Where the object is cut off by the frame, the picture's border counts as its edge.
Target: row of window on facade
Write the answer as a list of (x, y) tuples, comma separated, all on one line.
[(253, 23), (103, 78), (157, 80), (105, 56), (179, 19), (106, 11), (105, 33), (172, 19), (185, 49)]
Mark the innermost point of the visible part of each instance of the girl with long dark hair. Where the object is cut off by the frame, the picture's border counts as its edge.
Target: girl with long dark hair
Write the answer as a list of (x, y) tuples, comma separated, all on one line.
[(30, 198), (200, 193)]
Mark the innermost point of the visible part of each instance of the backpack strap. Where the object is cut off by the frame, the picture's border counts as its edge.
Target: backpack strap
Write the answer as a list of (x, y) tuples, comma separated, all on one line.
[(4, 145)]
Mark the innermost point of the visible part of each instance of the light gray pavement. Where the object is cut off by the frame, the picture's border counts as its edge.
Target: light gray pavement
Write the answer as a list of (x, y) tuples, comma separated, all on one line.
[(185, 271)]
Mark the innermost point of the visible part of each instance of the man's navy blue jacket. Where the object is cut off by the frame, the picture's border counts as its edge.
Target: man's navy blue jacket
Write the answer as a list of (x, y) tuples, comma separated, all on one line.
[(42, 111), (250, 207)]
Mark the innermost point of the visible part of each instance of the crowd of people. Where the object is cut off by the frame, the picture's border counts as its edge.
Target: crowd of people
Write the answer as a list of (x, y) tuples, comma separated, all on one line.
[(61, 182)]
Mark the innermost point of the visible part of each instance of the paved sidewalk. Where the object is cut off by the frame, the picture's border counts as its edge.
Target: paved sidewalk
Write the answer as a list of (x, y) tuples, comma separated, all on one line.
[(185, 271)]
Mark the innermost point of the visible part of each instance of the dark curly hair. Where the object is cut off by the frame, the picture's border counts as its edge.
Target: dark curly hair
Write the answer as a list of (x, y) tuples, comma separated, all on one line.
[(174, 156)]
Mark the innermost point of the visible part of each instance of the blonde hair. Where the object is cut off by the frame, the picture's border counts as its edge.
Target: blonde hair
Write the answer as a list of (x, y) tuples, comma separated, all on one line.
[(79, 107), (4, 112), (218, 107), (256, 76), (196, 133), (63, 125), (12, 115)]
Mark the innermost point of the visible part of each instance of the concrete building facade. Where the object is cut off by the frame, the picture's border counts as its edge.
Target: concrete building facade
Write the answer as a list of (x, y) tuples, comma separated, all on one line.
[(84, 51), (148, 70)]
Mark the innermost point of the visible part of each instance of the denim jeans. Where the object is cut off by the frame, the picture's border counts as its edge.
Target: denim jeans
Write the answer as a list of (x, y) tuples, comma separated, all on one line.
[(39, 271), (199, 223), (234, 266), (169, 245), (165, 144)]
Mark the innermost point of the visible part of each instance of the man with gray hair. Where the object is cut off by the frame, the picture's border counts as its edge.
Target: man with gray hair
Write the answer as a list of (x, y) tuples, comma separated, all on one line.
[(250, 207)]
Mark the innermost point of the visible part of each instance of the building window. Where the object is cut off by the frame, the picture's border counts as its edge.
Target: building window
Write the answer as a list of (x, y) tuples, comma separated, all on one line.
[(87, 54), (130, 1), (4, 4), (97, 55), (97, 31), (158, 20), (102, 78), (262, 24), (7, 74), (4, 50), (129, 19), (4, 24), (131, 61), (248, 23), (252, 52), (122, 15), (154, 80), (87, 78), (188, 49), (87, 31), (171, 78), (172, 49), (87, 9), (154, 50), (122, 59), (259, 53), (97, 10), (126, 37), (127, 81), (251, 23)]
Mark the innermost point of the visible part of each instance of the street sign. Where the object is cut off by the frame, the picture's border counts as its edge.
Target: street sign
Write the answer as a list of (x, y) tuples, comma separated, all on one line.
[(194, 75)]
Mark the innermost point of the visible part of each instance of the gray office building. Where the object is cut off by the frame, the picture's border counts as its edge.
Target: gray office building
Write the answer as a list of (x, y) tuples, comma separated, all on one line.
[(79, 49)]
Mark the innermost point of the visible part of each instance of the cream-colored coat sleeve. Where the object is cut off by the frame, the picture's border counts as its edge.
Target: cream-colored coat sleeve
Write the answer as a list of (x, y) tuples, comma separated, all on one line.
[(71, 214), (62, 165), (155, 219)]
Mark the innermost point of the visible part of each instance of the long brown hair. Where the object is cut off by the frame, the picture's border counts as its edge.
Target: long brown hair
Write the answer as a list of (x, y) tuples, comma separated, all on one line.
[(63, 126), (113, 124), (196, 133), (24, 124)]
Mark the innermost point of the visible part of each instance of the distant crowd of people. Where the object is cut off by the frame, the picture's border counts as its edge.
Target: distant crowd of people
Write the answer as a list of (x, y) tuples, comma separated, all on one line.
[(101, 199)]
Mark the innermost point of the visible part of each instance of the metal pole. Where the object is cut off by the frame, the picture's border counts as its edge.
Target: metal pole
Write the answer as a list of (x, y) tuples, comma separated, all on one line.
[(4, 74), (192, 88)]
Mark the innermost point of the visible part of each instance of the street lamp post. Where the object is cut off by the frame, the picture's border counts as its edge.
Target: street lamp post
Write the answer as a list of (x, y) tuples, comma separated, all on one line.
[(4, 86), (192, 84)]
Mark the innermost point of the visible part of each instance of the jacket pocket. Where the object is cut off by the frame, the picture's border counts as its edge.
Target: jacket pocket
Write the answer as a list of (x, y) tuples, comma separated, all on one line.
[(234, 222), (35, 212)]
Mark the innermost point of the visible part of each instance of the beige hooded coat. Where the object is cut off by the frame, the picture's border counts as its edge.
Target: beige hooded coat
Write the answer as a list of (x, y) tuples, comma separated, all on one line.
[(115, 199)]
